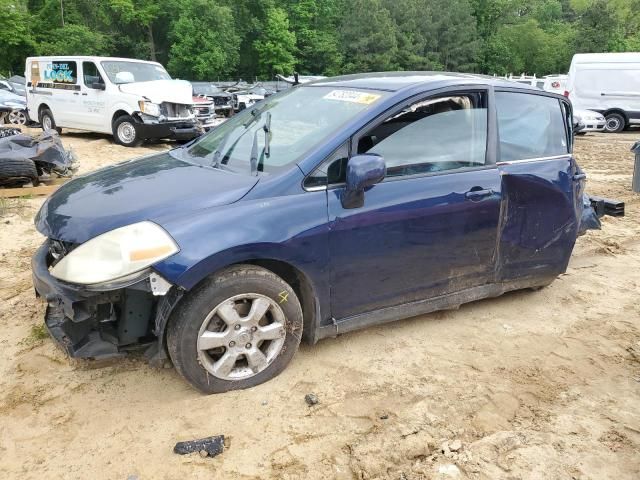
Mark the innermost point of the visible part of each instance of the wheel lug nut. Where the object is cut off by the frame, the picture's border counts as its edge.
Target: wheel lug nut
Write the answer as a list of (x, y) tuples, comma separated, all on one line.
[(232, 344), (248, 345), (253, 329), (237, 327)]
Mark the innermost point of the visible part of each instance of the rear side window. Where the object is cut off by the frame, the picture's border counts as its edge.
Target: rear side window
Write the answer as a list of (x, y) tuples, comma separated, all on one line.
[(530, 126)]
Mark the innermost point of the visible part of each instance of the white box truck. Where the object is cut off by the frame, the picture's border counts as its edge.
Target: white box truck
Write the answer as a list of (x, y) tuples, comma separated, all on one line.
[(131, 99), (608, 83)]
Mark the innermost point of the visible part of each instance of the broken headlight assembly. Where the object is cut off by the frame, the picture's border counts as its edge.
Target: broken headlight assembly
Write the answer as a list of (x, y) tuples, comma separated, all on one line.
[(116, 254), (149, 108)]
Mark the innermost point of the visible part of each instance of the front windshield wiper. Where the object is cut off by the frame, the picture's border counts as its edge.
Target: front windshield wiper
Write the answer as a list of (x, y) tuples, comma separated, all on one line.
[(266, 151)]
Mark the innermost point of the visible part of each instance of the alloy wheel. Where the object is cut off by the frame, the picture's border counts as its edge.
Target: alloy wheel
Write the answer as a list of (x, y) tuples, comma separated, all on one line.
[(17, 117), (241, 336)]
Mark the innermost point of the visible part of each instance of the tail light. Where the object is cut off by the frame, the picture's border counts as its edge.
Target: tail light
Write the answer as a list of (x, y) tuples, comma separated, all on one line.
[(566, 93)]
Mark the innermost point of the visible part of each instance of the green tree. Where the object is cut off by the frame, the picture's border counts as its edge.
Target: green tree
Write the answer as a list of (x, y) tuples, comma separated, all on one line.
[(369, 37), (15, 36), (204, 42), (74, 40), (314, 22), (276, 46), (141, 13)]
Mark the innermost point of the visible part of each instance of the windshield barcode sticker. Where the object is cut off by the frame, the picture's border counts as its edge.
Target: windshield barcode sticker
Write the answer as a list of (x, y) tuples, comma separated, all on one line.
[(352, 96)]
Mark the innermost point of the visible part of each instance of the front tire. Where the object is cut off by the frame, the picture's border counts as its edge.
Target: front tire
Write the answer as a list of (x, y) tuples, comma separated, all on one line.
[(17, 117), (615, 123), (125, 132), (235, 330)]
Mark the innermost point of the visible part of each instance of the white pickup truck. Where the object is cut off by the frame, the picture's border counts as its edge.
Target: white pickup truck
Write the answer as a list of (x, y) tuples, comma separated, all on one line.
[(133, 100)]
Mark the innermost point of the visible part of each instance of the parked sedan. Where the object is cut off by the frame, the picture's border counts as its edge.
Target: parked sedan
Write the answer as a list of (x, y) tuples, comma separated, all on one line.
[(589, 121), (15, 107), (330, 207)]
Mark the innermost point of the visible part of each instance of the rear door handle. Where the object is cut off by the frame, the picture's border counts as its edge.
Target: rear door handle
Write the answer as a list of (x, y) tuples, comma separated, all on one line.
[(76, 93), (478, 194), (579, 176)]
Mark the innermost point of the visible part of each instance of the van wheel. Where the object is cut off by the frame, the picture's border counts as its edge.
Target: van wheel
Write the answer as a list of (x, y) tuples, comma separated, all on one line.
[(47, 122), (615, 123), (125, 132), (236, 330)]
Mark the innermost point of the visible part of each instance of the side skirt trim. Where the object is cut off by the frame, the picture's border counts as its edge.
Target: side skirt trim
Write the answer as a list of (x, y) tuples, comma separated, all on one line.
[(421, 307)]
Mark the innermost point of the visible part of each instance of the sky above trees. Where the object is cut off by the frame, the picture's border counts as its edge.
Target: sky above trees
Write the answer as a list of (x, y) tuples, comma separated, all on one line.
[(231, 39)]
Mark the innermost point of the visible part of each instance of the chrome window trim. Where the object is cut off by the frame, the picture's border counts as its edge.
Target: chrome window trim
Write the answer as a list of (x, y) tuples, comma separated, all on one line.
[(537, 159)]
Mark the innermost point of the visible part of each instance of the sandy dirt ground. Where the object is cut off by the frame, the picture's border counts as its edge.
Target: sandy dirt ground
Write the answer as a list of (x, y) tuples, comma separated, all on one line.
[(531, 385)]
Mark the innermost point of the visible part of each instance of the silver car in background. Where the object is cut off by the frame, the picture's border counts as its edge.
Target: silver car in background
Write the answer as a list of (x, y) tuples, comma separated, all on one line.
[(588, 121)]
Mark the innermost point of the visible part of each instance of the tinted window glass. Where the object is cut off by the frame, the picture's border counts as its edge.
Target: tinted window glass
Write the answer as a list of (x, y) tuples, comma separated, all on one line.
[(432, 135), (91, 74), (530, 126)]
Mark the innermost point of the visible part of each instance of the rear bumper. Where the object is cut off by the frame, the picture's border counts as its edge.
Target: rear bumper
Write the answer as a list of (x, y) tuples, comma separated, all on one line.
[(172, 130)]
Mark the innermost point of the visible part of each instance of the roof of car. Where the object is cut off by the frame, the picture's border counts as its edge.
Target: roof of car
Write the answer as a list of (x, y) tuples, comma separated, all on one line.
[(395, 81)]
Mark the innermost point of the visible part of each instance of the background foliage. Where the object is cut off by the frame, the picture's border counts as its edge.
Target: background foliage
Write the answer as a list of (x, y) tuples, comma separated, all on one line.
[(224, 39)]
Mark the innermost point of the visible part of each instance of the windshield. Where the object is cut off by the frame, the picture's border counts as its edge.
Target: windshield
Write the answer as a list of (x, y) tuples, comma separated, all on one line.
[(205, 89), (301, 118), (129, 72)]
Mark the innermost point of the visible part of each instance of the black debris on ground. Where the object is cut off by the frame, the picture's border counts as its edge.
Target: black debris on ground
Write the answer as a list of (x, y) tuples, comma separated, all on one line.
[(311, 399), (212, 446)]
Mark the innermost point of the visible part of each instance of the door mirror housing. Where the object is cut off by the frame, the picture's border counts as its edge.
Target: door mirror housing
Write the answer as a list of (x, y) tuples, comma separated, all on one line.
[(363, 171), (98, 86)]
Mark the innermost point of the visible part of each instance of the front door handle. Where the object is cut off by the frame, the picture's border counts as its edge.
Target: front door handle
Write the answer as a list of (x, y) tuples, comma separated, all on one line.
[(579, 176), (76, 93), (478, 194)]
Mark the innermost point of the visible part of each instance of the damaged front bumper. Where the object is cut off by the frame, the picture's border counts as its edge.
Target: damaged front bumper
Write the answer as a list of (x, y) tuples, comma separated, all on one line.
[(105, 321), (152, 128)]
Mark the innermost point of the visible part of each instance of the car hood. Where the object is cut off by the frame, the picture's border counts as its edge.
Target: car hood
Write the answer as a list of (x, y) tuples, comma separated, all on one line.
[(158, 91), (154, 188)]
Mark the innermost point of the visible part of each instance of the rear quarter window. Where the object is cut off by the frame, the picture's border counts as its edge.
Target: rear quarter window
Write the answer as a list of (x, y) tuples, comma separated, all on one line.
[(530, 126)]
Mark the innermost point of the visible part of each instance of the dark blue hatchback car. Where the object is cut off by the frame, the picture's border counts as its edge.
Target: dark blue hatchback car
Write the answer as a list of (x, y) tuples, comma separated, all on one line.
[(329, 207)]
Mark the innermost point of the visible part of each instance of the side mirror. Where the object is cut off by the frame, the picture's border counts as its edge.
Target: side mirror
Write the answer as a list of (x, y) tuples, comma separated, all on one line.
[(363, 171), (98, 86)]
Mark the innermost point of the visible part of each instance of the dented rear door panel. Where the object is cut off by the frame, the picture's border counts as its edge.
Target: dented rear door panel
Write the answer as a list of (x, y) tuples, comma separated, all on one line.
[(540, 215)]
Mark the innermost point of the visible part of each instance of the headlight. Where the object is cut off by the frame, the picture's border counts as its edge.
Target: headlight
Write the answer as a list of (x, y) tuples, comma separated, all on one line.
[(149, 108), (115, 254)]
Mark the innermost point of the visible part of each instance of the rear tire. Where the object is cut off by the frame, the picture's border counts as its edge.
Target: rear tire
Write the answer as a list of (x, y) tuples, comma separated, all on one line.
[(125, 132), (615, 123), (223, 312), (47, 122), (18, 171)]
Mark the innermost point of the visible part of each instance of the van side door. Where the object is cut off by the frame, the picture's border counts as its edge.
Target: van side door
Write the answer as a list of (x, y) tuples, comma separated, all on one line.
[(93, 98), (541, 185)]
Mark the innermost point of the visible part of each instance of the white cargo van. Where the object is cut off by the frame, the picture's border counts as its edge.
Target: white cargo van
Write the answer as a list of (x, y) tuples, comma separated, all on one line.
[(608, 83), (131, 99)]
